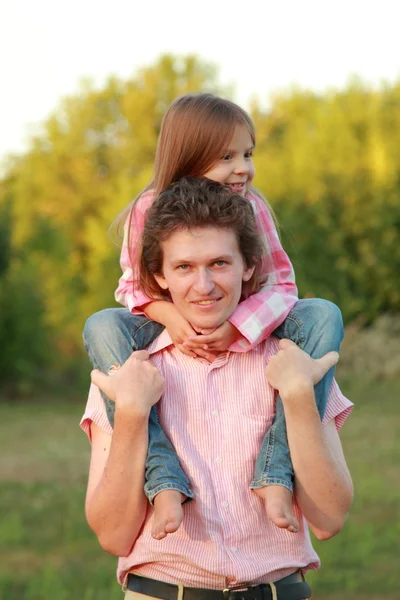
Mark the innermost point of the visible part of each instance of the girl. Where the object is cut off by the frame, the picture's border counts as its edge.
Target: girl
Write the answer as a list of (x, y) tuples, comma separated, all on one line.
[(204, 135)]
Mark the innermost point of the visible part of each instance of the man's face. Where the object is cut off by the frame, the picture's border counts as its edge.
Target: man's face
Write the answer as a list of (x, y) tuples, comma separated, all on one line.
[(203, 270)]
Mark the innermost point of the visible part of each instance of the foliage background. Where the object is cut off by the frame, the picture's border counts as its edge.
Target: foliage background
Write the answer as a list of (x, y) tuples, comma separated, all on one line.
[(328, 163)]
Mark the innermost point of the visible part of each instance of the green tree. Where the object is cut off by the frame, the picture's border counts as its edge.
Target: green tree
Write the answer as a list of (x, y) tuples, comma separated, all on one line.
[(328, 163), (93, 155)]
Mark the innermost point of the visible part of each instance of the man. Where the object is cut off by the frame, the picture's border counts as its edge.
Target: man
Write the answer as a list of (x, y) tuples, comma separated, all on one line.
[(200, 251)]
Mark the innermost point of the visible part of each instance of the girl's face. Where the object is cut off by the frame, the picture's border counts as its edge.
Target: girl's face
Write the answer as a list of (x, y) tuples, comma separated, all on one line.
[(235, 168)]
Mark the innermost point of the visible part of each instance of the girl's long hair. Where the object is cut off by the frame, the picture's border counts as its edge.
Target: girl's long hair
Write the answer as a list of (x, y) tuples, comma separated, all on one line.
[(195, 133)]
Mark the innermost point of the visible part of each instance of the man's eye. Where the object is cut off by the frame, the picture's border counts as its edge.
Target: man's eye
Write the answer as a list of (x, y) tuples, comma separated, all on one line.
[(183, 267), (220, 263)]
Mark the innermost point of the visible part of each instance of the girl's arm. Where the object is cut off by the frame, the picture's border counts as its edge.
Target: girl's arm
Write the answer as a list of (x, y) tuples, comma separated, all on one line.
[(127, 293), (261, 313)]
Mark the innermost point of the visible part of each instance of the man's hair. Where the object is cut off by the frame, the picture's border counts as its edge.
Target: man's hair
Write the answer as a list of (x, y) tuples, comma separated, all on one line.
[(192, 203)]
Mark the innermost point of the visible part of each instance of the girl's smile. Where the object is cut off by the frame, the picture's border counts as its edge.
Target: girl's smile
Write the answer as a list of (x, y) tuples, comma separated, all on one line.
[(236, 167)]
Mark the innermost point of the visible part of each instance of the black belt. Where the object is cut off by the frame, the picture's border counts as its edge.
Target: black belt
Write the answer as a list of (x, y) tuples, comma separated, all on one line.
[(292, 587)]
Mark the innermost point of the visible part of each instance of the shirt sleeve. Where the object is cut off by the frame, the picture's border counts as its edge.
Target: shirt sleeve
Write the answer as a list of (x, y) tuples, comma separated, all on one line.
[(128, 293), (338, 407), (259, 314), (95, 412)]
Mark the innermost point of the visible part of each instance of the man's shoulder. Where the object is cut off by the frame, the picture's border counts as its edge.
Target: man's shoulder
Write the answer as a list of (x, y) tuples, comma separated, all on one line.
[(264, 349), (257, 356), (161, 342)]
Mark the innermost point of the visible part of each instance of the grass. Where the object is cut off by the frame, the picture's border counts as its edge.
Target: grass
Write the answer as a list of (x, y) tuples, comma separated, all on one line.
[(362, 562), (47, 551)]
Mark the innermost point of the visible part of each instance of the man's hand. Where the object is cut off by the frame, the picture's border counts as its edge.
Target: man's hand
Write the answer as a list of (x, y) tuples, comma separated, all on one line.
[(293, 371), (217, 340), (136, 386)]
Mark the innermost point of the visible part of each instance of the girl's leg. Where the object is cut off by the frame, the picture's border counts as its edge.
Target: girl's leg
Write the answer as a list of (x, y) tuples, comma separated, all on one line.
[(316, 326), (110, 336)]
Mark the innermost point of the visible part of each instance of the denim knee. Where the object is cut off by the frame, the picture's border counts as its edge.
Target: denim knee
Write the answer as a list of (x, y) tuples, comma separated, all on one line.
[(324, 312), (111, 335), (319, 322), (100, 323)]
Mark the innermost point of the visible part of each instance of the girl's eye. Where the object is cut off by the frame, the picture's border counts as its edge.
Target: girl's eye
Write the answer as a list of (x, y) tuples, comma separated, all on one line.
[(249, 154), (227, 156)]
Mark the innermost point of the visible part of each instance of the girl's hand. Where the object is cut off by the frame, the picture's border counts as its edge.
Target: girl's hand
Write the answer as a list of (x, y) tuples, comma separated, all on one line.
[(180, 331), (292, 371), (178, 328), (217, 340), (135, 387)]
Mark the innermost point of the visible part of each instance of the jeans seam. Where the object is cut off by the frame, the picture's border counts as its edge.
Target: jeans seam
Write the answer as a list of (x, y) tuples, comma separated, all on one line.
[(299, 324), (151, 494), (255, 485), (148, 322), (270, 448), (292, 317)]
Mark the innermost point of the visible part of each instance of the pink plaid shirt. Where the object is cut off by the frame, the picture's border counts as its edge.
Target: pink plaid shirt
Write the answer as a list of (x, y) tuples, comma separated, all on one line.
[(216, 416), (258, 315)]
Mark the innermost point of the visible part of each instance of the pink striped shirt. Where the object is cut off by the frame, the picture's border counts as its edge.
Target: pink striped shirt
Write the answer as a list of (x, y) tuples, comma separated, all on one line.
[(258, 315), (216, 416)]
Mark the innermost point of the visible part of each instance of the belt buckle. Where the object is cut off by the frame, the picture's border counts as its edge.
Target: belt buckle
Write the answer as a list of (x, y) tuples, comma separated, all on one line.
[(243, 587), (243, 591), (248, 593)]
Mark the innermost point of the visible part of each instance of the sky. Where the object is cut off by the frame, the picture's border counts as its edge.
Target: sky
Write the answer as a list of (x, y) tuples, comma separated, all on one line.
[(259, 46)]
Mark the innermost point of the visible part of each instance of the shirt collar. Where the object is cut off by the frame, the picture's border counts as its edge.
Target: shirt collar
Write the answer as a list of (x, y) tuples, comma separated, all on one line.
[(164, 341), (161, 342)]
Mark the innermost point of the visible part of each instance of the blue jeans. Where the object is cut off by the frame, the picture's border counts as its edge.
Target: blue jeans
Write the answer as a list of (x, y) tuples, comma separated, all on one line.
[(111, 335), (316, 326)]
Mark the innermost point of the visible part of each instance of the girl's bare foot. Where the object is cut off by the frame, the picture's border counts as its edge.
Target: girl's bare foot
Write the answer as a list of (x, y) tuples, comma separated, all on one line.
[(278, 505), (168, 513)]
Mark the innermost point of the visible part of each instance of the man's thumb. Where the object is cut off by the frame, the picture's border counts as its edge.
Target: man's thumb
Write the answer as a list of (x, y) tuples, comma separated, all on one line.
[(328, 361), (102, 381)]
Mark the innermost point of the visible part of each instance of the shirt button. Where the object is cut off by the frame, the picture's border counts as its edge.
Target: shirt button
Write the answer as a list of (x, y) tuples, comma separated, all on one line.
[(215, 413), (218, 459), (225, 504), (234, 549)]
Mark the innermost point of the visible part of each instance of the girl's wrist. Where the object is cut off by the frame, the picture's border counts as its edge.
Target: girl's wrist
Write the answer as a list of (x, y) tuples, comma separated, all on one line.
[(159, 311)]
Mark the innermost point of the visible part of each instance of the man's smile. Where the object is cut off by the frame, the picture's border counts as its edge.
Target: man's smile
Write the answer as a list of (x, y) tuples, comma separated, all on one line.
[(206, 303)]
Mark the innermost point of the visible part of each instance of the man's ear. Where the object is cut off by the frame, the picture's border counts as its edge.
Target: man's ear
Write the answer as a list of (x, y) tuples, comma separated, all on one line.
[(247, 273), (161, 281)]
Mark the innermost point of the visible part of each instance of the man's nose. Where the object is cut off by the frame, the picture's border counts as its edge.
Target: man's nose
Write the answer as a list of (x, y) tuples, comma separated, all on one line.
[(204, 283)]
